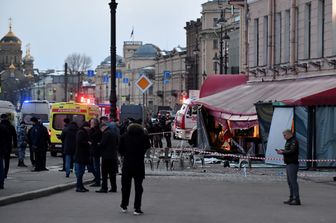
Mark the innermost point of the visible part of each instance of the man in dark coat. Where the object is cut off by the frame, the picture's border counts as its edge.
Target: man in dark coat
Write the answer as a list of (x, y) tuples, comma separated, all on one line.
[(66, 123), (291, 159), (108, 149), (82, 155), (95, 136), (3, 137), (133, 146), (38, 139), (11, 141), (68, 138)]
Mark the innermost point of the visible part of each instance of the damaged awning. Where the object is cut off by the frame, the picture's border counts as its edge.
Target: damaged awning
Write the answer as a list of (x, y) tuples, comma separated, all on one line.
[(237, 104)]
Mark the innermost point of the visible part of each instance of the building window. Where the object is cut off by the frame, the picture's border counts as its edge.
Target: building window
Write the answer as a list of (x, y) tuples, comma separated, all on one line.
[(215, 44), (265, 47), (320, 28), (278, 33), (307, 30), (215, 22), (287, 36), (256, 41)]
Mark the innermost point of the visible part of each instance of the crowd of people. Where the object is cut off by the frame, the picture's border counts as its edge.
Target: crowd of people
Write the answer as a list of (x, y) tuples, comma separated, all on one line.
[(99, 146)]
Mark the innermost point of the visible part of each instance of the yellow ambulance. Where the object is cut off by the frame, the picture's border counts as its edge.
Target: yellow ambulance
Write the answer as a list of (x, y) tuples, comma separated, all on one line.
[(76, 112)]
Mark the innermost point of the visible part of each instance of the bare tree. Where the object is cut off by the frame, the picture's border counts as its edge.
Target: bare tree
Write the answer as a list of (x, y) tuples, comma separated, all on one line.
[(78, 63)]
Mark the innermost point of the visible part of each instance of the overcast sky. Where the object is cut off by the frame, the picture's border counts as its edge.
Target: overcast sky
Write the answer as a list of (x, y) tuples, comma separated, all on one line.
[(57, 28)]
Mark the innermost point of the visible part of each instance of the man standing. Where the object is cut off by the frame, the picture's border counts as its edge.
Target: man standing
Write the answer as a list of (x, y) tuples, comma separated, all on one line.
[(66, 122), (38, 138), (133, 146), (22, 143), (68, 138), (108, 149), (12, 140), (291, 159), (82, 155), (3, 137)]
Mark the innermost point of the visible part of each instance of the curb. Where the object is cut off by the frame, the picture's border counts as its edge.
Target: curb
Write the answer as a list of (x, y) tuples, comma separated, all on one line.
[(37, 193)]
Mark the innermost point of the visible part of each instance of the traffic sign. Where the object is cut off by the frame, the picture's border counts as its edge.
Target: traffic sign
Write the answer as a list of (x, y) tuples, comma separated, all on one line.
[(90, 73), (165, 81), (143, 83), (166, 74), (105, 79), (118, 74)]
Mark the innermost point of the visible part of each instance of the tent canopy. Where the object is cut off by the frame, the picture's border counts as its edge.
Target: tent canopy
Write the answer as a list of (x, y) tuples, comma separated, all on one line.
[(217, 83), (237, 103)]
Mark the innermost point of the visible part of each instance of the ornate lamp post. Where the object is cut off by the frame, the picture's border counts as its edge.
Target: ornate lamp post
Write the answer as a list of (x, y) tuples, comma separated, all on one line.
[(223, 58), (113, 94)]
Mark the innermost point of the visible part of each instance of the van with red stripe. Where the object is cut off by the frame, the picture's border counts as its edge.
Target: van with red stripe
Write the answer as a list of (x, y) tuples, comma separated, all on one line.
[(76, 112)]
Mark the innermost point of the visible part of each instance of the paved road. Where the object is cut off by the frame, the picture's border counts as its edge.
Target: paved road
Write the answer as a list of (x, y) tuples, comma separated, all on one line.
[(186, 198)]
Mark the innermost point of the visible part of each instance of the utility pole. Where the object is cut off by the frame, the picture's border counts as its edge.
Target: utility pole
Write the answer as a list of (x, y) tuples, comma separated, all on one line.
[(65, 82), (113, 94)]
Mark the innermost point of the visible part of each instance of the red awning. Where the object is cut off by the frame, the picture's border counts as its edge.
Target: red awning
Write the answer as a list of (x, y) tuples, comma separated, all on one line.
[(237, 104), (217, 83)]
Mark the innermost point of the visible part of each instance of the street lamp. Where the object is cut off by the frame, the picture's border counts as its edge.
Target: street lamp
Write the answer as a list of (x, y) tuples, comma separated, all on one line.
[(113, 94), (223, 59)]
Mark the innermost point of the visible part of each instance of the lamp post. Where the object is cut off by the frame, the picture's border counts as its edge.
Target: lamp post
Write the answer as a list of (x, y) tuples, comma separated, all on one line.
[(223, 59), (113, 94)]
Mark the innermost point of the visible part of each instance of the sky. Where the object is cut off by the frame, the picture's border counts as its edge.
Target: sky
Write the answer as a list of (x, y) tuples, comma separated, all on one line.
[(57, 28)]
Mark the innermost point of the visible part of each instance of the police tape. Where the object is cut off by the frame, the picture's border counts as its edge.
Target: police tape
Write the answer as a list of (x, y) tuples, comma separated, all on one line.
[(159, 133), (246, 157)]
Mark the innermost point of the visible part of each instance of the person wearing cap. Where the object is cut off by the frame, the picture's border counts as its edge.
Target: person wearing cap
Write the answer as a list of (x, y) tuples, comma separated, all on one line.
[(10, 142), (22, 143), (38, 139)]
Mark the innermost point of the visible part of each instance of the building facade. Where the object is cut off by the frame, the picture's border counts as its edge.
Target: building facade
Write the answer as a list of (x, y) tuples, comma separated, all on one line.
[(291, 38)]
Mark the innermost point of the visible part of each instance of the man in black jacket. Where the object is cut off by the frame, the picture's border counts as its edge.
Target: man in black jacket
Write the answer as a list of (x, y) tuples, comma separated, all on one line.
[(68, 138), (108, 150), (291, 159), (11, 141), (38, 139), (133, 146), (3, 138)]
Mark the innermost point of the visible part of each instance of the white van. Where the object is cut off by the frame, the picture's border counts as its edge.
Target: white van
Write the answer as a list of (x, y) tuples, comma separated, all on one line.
[(36, 108), (6, 107), (185, 122)]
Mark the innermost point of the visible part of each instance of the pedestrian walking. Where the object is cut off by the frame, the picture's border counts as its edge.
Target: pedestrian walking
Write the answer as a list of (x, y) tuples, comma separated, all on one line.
[(11, 141), (68, 137), (133, 146), (95, 136), (82, 155), (109, 148), (22, 143), (291, 159), (38, 139)]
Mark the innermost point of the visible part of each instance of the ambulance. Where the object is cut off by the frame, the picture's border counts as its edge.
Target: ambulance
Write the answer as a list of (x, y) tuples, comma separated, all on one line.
[(76, 112)]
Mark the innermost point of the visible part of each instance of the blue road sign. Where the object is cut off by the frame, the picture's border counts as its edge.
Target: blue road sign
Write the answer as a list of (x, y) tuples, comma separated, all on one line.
[(90, 73), (166, 74), (119, 74), (125, 80), (165, 81), (105, 79)]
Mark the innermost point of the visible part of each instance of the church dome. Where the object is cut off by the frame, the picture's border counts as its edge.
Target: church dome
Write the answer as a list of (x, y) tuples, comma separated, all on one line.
[(147, 50), (10, 38), (107, 61)]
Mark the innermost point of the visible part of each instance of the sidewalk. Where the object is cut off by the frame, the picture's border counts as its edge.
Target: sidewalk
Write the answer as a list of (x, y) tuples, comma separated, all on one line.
[(22, 184)]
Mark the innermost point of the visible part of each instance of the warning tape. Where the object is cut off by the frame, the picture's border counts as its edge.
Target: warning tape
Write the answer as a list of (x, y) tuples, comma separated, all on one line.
[(248, 157)]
